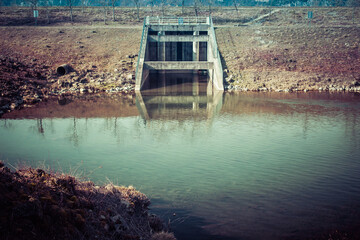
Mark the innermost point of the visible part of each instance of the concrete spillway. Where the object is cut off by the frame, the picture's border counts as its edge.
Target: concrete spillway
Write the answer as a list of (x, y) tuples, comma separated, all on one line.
[(176, 43)]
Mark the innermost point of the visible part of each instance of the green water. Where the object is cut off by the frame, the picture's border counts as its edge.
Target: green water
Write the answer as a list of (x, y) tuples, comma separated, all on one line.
[(236, 166)]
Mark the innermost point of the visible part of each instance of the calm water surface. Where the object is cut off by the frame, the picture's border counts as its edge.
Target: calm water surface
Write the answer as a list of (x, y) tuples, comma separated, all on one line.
[(232, 166)]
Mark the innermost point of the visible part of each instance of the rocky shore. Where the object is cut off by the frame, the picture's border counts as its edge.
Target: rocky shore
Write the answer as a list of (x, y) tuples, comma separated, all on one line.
[(43, 205), (24, 85)]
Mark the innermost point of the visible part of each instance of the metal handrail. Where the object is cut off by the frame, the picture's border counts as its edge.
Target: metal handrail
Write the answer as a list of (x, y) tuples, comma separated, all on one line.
[(141, 43), (215, 48), (216, 53), (176, 20)]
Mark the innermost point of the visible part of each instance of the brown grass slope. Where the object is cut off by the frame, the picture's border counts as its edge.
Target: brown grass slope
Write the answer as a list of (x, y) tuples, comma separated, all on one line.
[(40, 205)]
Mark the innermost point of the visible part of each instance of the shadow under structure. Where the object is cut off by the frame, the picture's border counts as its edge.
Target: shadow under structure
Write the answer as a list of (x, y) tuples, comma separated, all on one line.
[(178, 45), (179, 108)]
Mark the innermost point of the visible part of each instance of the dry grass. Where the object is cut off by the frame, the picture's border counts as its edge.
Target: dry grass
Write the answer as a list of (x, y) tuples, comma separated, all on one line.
[(40, 205), (163, 236), (281, 55)]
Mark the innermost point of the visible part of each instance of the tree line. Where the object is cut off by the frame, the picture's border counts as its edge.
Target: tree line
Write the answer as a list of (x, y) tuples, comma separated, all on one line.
[(152, 3), (162, 4)]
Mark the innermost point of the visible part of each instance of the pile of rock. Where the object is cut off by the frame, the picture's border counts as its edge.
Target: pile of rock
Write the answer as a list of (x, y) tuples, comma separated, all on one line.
[(121, 79), (21, 84)]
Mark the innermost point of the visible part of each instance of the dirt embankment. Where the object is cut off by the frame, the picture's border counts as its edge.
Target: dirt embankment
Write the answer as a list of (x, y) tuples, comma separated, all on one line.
[(101, 60), (40, 205), (262, 49), (285, 52)]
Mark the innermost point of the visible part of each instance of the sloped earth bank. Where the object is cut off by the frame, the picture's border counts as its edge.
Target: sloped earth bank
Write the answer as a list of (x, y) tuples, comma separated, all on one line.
[(291, 58), (39, 205), (100, 60), (262, 49)]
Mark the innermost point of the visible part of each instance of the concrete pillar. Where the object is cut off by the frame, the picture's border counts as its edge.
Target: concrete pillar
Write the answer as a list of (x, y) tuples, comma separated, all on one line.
[(184, 51), (210, 87), (174, 51), (167, 51), (163, 51), (196, 48), (161, 48), (162, 79), (196, 106), (171, 51), (195, 89), (203, 51)]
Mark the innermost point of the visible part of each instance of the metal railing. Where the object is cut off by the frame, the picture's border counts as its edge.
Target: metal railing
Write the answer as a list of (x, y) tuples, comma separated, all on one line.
[(141, 43), (177, 20), (216, 54), (213, 39)]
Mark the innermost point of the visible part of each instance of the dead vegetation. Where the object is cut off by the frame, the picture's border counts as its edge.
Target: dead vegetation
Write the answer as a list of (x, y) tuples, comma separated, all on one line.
[(40, 205), (285, 52), (291, 59)]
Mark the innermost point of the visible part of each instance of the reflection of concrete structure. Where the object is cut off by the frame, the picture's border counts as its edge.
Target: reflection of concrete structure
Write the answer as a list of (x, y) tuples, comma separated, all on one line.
[(172, 82), (179, 44), (179, 107)]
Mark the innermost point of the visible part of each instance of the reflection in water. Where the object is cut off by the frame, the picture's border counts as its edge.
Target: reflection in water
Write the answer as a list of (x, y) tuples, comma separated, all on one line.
[(40, 126), (179, 108), (308, 107), (242, 166), (74, 137), (86, 106), (178, 97)]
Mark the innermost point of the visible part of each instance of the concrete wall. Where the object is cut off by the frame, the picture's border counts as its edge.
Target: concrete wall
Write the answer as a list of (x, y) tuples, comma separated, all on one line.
[(143, 53), (187, 47), (177, 47), (217, 76)]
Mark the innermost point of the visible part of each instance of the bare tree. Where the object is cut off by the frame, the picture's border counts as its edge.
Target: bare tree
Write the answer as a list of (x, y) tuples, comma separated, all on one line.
[(236, 8), (162, 5), (33, 4), (83, 4), (104, 4), (70, 4), (113, 3), (48, 3), (137, 5), (355, 4), (210, 3), (178, 3), (197, 7), (152, 4)]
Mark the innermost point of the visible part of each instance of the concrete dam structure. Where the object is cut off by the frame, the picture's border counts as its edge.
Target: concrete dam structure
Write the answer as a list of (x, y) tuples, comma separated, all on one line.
[(175, 44)]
